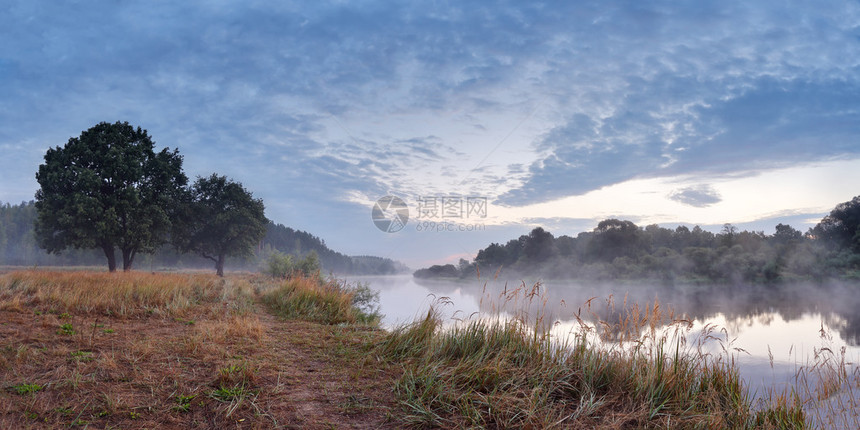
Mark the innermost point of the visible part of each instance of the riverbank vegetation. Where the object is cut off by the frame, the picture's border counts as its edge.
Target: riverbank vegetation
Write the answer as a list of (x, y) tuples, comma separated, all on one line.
[(618, 249), (254, 351), (516, 373), (619, 365)]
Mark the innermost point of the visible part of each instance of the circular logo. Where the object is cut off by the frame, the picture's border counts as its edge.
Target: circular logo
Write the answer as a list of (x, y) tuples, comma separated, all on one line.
[(390, 214)]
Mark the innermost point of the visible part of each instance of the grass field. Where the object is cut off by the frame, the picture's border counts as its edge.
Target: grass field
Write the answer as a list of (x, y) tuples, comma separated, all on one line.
[(139, 350)]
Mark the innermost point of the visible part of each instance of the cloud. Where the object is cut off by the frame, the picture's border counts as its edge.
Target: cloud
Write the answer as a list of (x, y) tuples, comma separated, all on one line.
[(307, 103), (699, 196), (661, 129)]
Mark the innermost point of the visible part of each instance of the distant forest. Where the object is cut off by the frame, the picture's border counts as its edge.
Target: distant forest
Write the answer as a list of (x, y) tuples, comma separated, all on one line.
[(618, 249), (18, 248)]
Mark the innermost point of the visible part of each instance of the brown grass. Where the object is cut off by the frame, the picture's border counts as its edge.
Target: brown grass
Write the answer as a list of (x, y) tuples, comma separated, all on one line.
[(139, 350), (108, 293)]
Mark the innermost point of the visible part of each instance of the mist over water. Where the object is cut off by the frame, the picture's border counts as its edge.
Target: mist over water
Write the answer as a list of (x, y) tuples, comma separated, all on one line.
[(770, 331)]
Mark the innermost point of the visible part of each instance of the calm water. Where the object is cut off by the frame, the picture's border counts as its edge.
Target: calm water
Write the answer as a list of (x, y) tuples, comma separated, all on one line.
[(772, 333)]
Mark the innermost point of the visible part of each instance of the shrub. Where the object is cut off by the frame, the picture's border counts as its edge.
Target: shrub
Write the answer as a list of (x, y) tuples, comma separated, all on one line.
[(279, 265)]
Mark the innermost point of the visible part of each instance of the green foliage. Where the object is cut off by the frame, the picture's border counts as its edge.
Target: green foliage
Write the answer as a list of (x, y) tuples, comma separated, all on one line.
[(618, 249), (289, 241), (220, 218), (366, 302), (281, 265), (438, 271), (108, 189), (25, 388), (309, 265), (66, 329), (21, 249), (841, 228), (311, 300), (614, 238), (184, 402), (229, 394), (234, 386), (82, 355)]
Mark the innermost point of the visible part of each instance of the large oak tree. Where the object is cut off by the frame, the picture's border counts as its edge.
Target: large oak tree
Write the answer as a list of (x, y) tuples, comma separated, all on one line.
[(108, 189), (221, 219)]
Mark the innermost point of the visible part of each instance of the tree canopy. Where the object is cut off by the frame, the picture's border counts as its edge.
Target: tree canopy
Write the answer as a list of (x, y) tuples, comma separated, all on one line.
[(108, 189), (221, 219), (842, 226), (619, 249)]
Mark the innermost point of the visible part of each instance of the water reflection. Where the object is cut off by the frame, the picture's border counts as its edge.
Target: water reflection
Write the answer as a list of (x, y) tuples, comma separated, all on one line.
[(770, 331)]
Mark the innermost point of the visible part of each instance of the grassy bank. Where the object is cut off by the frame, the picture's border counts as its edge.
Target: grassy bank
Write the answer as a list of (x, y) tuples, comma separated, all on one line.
[(514, 373), (137, 350)]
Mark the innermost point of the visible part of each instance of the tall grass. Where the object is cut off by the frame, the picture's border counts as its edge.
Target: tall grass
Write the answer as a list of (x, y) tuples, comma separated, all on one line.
[(829, 388), (109, 293), (324, 301), (515, 373)]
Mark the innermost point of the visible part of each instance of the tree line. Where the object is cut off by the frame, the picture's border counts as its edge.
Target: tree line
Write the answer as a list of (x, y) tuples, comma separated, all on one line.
[(619, 249), (18, 247), (109, 191)]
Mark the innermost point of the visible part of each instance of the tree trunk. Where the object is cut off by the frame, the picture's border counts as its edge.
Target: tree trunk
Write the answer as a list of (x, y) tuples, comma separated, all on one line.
[(111, 257), (219, 265), (127, 259)]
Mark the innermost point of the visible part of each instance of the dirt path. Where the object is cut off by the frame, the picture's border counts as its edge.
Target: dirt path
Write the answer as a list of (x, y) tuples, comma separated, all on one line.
[(320, 379)]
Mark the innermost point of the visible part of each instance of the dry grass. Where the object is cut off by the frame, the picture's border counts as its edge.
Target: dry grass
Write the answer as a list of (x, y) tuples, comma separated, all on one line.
[(630, 369), (315, 299), (121, 294), (828, 387), (138, 350)]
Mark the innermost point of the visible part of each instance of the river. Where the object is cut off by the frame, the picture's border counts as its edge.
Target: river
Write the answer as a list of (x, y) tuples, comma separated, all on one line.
[(776, 335)]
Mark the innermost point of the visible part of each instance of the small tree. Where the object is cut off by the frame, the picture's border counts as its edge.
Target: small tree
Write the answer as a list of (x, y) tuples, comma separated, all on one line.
[(279, 265), (108, 189), (309, 265), (220, 219)]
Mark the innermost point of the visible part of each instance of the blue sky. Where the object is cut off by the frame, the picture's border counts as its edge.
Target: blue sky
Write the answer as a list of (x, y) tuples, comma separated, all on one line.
[(560, 114)]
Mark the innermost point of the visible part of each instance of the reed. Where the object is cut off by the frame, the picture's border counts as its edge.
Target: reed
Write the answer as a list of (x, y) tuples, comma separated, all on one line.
[(636, 371)]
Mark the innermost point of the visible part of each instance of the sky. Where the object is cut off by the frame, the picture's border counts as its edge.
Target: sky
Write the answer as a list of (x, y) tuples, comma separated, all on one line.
[(485, 119)]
